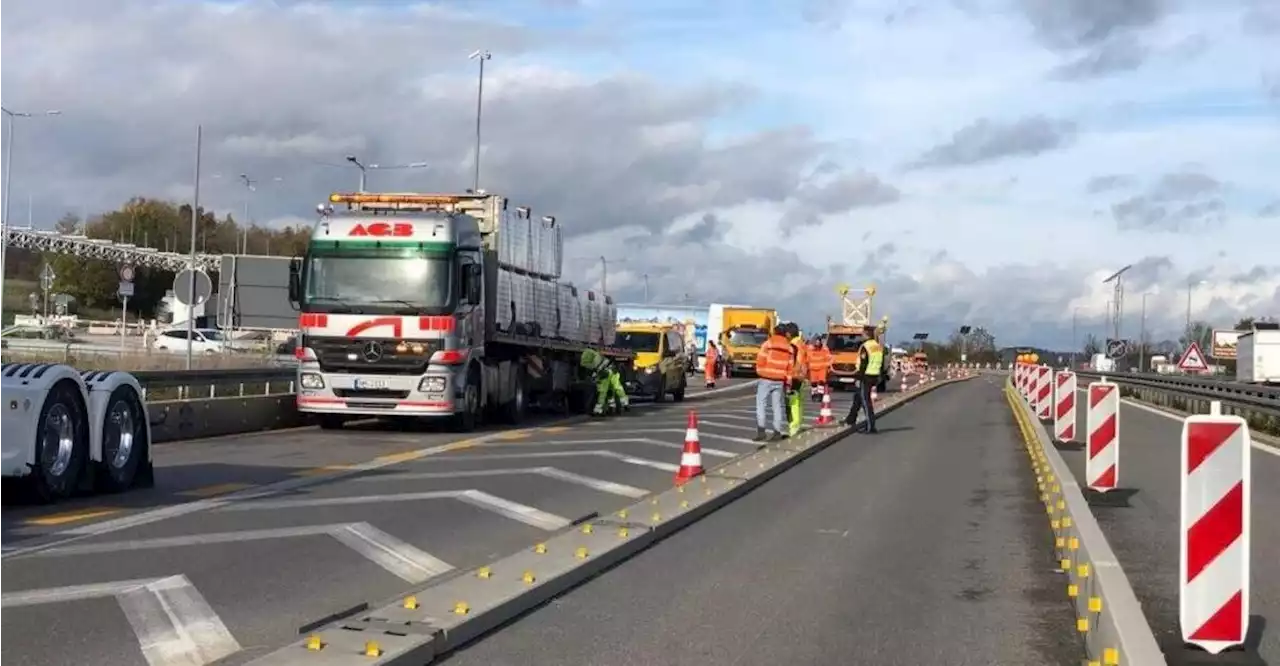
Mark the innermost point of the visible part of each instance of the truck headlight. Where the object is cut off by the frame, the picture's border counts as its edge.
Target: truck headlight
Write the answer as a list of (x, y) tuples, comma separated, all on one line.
[(311, 380), (431, 385), (650, 370)]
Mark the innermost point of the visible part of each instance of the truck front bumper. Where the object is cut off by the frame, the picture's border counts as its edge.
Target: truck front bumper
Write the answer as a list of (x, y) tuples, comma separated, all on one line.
[(374, 395)]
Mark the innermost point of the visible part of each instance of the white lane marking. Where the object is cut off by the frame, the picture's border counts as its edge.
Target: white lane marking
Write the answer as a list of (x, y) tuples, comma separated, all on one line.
[(702, 434), (392, 554), (1261, 446), (172, 621), (407, 562), (514, 510), (731, 426), (720, 453), (549, 472), (620, 457)]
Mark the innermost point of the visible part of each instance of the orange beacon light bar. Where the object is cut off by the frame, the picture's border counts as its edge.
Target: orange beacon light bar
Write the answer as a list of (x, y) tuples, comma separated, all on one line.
[(411, 199)]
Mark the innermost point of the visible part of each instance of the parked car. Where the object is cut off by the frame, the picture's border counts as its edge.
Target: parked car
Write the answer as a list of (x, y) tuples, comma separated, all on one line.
[(203, 341)]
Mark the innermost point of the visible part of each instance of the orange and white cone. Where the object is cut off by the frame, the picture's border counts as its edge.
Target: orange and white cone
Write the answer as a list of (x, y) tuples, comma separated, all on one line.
[(825, 419), (691, 458)]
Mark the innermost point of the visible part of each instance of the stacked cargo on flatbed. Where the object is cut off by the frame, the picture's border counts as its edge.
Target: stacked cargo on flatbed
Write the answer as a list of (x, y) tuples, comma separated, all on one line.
[(531, 299)]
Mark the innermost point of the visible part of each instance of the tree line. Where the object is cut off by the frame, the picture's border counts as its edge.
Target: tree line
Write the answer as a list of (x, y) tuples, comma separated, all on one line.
[(979, 346), (163, 225)]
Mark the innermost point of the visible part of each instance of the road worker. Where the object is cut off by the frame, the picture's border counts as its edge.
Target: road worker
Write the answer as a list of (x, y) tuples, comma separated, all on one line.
[(819, 364), (775, 365), (800, 374), (870, 369), (709, 369), (608, 381)]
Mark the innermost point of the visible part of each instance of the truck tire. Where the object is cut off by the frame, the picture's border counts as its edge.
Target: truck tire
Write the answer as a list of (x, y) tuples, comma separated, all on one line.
[(124, 440), (514, 411), (469, 418), (678, 394), (62, 444), (661, 395)]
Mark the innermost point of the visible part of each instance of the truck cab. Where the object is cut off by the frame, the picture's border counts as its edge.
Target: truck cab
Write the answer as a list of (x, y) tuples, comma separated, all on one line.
[(660, 360), (844, 343)]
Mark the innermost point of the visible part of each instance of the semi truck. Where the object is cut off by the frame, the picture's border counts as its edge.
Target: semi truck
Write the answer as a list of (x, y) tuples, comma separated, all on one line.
[(1258, 354), (744, 331), (67, 432), (442, 306)]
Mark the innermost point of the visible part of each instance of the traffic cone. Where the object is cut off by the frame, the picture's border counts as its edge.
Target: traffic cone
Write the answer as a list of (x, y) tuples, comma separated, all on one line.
[(825, 419), (691, 458)]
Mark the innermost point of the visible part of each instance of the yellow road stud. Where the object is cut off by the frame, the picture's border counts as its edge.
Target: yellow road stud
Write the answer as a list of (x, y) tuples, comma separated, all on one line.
[(528, 578), (655, 517), (684, 504), (580, 553), (461, 608), (1095, 604), (586, 528), (1073, 591), (371, 649), (623, 532), (1065, 565), (1083, 570), (314, 643), (484, 572), (622, 514), (1082, 625), (1066, 521), (1055, 523), (1111, 657), (1057, 543), (411, 602), (540, 549), (1074, 543)]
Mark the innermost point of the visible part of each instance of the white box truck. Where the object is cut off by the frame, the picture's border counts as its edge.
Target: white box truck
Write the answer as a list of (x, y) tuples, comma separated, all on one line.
[(1258, 355)]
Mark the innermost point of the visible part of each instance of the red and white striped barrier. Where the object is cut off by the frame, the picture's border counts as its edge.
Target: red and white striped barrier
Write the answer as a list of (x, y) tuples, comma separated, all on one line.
[(1064, 406), (1044, 392), (1213, 594), (1102, 466), (1020, 378)]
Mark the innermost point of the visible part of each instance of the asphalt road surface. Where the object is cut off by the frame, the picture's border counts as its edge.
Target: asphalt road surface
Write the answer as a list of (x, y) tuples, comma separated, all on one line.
[(1141, 522), (222, 561), (922, 545)]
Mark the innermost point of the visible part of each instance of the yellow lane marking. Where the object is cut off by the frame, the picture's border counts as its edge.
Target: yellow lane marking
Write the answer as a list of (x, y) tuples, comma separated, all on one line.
[(403, 456), (218, 489), (556, 429), (459, 446), (72, 516), (512, 436)]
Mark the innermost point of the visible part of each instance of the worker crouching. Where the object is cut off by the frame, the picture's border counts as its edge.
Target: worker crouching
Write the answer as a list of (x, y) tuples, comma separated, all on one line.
[(608, 382)]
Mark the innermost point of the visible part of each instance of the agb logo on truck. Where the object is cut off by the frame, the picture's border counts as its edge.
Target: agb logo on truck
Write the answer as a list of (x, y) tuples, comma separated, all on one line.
[(382, 229)]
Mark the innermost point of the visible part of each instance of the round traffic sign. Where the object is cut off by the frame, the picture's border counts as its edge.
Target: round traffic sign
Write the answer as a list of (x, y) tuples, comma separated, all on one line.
[(126, 273), (182, 286)]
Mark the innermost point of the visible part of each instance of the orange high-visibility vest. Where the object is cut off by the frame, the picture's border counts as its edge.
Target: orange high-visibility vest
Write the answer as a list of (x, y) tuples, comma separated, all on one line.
[(819, 364), (775, 361)]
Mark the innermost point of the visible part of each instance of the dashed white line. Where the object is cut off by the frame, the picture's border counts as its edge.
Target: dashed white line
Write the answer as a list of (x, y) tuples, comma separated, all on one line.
[(620, 457)]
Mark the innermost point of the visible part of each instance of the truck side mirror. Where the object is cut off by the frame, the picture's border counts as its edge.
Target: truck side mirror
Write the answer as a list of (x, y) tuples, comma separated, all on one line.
[(295, 282), (473, 284)]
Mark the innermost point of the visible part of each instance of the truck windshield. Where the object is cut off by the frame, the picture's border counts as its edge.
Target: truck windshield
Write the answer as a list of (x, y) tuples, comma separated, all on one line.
[(844, 343), (371, 279), (747, 337), (639, 342)]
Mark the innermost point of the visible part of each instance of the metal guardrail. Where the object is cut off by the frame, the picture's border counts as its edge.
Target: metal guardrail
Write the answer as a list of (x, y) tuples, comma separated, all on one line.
[(1257, 397)]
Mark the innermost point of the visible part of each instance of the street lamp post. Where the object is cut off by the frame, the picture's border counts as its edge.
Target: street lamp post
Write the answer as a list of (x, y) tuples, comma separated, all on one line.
[(1142, 334), (1191, 284), (8, 175), (480, 56), (366, 168), (195, 217)]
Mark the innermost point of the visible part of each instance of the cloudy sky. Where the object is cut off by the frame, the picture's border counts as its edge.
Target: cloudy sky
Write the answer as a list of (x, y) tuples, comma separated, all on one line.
[(986, 162)]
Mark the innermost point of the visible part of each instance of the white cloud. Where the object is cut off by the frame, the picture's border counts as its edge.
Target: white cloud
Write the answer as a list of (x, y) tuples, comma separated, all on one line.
[(678, 149)]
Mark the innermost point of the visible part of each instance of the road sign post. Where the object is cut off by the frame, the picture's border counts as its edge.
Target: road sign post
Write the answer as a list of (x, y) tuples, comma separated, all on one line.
[(47, 276), (1117, 349), (124, 291)]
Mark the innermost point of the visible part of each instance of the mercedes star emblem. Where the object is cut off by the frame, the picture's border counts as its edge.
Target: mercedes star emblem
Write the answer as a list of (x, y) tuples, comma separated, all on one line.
[(372, 352)]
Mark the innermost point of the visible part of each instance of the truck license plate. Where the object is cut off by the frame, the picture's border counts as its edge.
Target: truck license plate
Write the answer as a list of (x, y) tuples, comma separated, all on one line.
[(847, 380), (370, 383)]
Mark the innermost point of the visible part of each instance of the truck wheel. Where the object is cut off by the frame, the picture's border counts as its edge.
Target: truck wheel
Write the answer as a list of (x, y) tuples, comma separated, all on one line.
[(469, 417), (514, 410), (331, 421), (661, 395), (678, 394), (124, 440), (62, 444)]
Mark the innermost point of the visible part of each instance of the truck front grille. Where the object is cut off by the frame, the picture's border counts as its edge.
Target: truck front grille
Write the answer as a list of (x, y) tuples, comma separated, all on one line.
[(353, 355), (386, 394)]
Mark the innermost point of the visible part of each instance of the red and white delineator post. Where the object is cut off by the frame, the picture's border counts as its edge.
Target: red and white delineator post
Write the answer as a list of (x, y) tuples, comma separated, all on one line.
[(1044, 392), (1213, 594), (1102, 464), (1064, 406), (1020, 378)]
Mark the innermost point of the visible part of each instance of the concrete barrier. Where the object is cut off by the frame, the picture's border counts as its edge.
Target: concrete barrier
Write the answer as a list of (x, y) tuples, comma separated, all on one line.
[(173, 420)]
